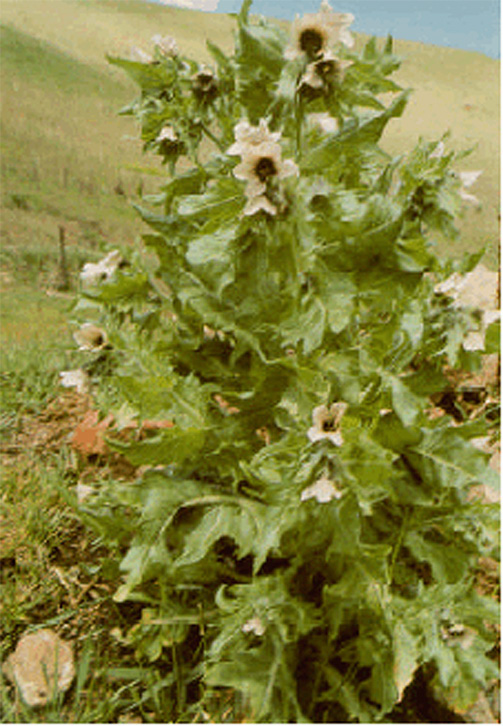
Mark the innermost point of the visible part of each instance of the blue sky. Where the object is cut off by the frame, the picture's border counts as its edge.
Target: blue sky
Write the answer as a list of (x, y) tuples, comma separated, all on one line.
[(465, 24)]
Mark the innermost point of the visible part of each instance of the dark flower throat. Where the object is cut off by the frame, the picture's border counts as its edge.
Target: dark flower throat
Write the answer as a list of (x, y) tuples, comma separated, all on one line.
[(311, 42), (265, 168)]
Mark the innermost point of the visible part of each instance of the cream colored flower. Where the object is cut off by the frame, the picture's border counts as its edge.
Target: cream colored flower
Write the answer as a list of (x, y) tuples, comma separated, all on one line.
[(314, 33), (256, 204), (324, 72), (168, 133), (261, 163), (166, 44), (468, 178), (169, 142), (438, 152), (254, 625), (326, 423), (90, 337), (211, 334), (248, 135), (94, 273), (324, 122), (458, 635), (476, 339), (478, 288), (205, 84), (323, 490), (139, 55), (77, 379)]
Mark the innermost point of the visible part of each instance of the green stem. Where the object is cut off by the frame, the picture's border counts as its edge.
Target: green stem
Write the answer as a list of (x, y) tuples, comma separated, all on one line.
[(212, 137), (298, 127), (398, 545)]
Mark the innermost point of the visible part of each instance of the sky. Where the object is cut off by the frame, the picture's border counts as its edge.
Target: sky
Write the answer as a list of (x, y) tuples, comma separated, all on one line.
[(466, 24)]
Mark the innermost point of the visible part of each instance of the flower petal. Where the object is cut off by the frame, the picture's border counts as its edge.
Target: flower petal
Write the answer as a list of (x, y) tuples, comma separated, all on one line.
[(322, 490), (468, 178), (90, 337), (255, 188), (254, 625), (167, 45), (258, 203), (288, 168)]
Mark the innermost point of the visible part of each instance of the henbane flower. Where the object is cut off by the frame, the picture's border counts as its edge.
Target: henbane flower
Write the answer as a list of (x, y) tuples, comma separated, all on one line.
[(254, 625), (93, 273), (256, 204), (168, 133), (139, 56), (324, 73), (205, 85), (314, 33), (468, 178), (167, 45), (326, 423), (324, 122), (323, 490), (247, 135), (169, 142), (477, 289), (90, 337), (261, 164)]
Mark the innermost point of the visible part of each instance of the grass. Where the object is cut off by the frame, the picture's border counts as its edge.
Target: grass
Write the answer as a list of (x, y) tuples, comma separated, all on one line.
[(68, 160)]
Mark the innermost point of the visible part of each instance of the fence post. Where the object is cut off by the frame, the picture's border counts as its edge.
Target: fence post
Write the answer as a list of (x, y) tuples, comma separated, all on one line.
[(64, 280)]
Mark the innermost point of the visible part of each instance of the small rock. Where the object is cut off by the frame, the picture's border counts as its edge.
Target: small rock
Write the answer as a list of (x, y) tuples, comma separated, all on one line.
[(41, 665)]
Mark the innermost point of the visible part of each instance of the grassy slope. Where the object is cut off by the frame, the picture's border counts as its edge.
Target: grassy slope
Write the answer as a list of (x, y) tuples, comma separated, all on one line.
[(457, 91)]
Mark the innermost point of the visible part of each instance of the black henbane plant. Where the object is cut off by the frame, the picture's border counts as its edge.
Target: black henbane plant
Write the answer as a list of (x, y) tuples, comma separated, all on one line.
[(304, 531)]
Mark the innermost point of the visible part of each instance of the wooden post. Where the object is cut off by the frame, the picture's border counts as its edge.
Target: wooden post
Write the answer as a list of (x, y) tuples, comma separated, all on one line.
[(64, 280)]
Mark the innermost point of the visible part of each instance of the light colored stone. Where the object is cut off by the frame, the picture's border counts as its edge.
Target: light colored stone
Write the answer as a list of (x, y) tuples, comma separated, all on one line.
[(41, 665)]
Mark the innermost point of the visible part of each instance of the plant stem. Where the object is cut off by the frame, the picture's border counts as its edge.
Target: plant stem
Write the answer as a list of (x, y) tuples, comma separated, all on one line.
[(398, 545), (212, 137)]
